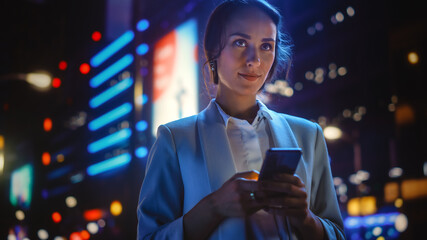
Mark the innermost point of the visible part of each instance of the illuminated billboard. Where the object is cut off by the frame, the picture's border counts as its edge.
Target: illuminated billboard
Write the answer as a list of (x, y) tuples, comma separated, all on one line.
[(21, 184), (175, 84)]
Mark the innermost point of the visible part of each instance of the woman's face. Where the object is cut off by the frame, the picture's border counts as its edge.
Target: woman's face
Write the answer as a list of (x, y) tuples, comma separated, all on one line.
[(249, 53)]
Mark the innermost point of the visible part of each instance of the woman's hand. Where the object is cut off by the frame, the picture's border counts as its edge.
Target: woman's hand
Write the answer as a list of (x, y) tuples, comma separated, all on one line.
[(289, 199), (233, 199), (236, 197)]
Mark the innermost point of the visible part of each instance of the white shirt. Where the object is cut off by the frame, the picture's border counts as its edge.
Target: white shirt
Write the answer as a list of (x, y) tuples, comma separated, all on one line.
[(249, 143)]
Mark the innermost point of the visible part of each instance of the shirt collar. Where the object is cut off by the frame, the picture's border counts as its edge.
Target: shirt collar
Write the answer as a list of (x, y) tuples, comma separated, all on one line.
[(262, 112)]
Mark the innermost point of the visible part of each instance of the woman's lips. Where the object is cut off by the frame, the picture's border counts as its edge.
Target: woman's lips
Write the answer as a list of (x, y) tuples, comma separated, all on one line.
[(250, 77)]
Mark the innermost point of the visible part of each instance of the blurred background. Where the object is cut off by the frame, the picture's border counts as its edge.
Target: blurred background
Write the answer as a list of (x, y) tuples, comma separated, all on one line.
[(84, 85)]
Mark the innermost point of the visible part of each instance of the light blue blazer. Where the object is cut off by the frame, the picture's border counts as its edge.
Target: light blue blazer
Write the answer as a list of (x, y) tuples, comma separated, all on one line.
[(191, 158)]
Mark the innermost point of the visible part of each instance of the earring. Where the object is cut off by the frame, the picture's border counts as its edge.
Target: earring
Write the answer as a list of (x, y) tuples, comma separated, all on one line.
[(212, 65)]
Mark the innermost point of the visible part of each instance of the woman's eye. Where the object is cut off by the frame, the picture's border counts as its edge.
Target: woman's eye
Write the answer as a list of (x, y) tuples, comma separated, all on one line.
[(240, 43), (266, 46)]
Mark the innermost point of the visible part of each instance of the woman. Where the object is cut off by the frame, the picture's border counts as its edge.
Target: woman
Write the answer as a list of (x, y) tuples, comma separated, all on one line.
[(199, 180)]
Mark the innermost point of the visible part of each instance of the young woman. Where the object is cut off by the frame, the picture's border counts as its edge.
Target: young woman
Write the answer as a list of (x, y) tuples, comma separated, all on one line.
[(199, 180)]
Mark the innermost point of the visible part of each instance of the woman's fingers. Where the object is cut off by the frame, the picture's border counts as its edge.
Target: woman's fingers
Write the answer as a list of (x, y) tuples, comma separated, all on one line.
[(293, 179), (288, 202), (283, 188), (249, 175)]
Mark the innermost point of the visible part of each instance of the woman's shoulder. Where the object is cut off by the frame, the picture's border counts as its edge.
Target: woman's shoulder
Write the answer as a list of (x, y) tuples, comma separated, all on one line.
[(182, 124), (296, 122)]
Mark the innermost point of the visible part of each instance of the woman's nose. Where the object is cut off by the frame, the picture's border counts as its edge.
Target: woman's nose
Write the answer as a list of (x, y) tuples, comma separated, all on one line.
[(252, 58)]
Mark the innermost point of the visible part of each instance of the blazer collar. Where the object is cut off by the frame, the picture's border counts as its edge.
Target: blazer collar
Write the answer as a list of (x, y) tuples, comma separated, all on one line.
[(215, 146), (281, 132)]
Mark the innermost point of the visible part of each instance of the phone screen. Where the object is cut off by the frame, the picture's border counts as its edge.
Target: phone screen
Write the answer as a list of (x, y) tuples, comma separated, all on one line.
[(279, 160)]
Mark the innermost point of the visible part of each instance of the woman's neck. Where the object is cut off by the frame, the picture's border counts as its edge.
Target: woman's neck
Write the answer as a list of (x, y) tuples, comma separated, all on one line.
[(242, 107)]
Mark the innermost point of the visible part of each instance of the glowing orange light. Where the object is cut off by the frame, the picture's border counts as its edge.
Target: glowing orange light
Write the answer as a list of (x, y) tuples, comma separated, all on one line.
[(84, 68), (56, 82), (56, 217), (93, 214), (75, 236), (46, 158), (62, 65), (47, 124), (96, 36), (116, 208), (85, 235)]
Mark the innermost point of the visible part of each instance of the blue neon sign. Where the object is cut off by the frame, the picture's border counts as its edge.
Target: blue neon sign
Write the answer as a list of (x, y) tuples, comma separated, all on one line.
[(109, 140), (109, 164), (111, 71), (111, 49), (142, 25), (110, 93), (110, 116)]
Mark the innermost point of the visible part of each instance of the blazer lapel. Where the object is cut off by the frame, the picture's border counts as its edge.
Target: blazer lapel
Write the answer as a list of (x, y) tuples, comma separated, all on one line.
[(284, 137), (281, 131), (215, 147)]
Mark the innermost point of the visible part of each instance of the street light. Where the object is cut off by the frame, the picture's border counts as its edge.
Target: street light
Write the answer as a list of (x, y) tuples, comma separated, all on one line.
[(332, 133), (40, 80)]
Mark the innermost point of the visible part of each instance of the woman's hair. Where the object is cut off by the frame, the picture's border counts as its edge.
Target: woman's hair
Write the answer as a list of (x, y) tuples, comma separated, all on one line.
[(214, 40)]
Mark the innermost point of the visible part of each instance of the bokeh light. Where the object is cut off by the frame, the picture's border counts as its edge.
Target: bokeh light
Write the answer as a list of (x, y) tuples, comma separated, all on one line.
[(116, 208), (56, 217), (350, 11), (84, 68), (56, 82), (71, 201), (142, 25), (398, 203), (46, 158), (339, 16), (413, 58), (92, 227), (85, 235), (401, 223), (75, 236), (47, 124), (96, 36), (62, 65), (20, 215), (42, 234), (101, 223), (332, 133)]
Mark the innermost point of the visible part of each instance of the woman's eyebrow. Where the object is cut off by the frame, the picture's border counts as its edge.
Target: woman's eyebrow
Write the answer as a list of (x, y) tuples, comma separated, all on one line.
[(240, 34), (243, 35)]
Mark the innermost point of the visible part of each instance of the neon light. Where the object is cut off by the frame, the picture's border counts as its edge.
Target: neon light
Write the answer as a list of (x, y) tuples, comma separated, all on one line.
[(142, 99), (111, 71), (109, 164), (110, 93), (383, 219), (142, 49), (59, 172), (141, 152), (111, 49), (141, 126), (110, 116), (109, 140), (142, 25)]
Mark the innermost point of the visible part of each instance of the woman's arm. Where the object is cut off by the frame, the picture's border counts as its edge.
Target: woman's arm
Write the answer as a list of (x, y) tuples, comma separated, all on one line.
[(160, 208), (161, 197)]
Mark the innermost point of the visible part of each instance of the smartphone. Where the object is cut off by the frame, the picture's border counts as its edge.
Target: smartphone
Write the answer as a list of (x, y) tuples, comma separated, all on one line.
[(279, 160)]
